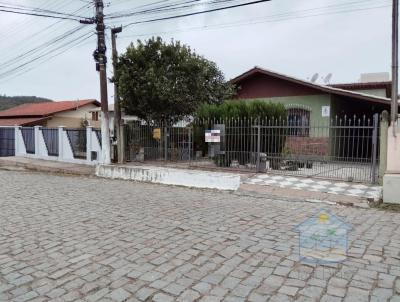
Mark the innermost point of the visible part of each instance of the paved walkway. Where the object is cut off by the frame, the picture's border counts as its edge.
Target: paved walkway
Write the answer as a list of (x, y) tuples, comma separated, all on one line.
[(48, 166), (67, 238), (317, 185)]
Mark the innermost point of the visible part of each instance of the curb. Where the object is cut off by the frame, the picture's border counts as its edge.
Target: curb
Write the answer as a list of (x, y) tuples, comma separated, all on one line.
[(361, 204), (17, 166)]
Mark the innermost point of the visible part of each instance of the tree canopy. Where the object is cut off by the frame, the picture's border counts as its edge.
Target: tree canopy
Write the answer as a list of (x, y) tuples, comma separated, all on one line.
[(167, 81)]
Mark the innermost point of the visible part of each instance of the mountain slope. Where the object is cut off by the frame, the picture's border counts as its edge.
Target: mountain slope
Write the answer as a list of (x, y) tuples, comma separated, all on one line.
[(12, 101)]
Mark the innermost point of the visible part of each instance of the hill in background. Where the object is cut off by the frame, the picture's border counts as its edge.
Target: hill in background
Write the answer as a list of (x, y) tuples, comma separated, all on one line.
[(7, 102)]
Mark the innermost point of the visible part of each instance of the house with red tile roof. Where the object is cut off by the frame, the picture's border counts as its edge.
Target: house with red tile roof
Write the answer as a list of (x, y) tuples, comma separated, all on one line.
[(307, 100), (72, 114)]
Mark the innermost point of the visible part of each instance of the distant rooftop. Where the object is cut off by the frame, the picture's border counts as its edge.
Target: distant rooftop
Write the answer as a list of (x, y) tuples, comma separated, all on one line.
[(374, 77), (44, 109)]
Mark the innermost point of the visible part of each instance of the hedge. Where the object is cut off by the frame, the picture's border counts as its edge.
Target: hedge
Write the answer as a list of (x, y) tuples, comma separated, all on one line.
[(246, 115)]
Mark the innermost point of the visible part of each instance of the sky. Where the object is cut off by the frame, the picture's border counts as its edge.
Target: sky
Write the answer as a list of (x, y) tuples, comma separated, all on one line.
[(294, 37)]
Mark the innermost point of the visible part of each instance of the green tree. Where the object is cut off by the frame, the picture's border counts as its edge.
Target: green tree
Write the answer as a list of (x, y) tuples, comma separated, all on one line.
[(160, 81)]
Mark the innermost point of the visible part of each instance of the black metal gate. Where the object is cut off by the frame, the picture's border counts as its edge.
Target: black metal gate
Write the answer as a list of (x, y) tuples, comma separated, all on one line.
[(158, 142), (7, 142)]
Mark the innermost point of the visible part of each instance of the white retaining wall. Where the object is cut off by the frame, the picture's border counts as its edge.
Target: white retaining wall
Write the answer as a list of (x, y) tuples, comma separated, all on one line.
[(170, 176)]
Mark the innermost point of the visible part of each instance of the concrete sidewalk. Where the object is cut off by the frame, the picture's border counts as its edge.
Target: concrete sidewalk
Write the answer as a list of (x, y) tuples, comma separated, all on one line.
[(246, 187), (46, 166)]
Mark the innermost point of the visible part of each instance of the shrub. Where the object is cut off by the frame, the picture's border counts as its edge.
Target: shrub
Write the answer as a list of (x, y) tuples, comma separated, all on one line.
[(241, 119), (242, 110)]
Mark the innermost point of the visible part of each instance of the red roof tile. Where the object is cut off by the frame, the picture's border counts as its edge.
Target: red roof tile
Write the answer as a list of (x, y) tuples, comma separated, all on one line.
[(45, 109), (21, 121)]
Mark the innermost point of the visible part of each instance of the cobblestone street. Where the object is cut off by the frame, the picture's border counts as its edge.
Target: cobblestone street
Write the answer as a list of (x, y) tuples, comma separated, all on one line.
[(88, 239)]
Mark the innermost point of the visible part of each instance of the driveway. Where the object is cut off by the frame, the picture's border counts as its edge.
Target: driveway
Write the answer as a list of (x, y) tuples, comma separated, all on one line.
[(87, 239)]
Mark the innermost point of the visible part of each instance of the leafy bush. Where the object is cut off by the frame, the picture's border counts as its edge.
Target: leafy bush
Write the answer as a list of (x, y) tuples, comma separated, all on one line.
[(242, 110), (241, 119), (167, 81)]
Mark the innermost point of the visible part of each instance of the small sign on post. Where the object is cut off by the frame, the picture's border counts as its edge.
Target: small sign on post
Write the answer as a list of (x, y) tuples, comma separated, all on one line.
[(157, 133), (326, 111), (213, 136)]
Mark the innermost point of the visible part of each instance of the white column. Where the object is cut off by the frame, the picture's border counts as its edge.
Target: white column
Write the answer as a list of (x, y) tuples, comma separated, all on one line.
[(60, 143), (391, 179), (16, 144), (89, 144), (37, 142)]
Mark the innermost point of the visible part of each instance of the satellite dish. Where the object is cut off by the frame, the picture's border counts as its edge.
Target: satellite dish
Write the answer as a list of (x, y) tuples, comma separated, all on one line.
[(328, 78), (314, 78)]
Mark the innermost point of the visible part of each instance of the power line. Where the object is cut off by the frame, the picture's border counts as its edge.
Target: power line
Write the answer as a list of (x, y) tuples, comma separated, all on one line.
[(42, 46), (197, 13), (168, 8), (267, 19), (9, 72), (17, 28), (51, 28), (38, 15), (70, 45), (34, 9)]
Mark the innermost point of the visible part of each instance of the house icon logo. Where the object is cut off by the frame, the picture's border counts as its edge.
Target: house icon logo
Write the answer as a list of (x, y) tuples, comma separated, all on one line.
[(323, 238)]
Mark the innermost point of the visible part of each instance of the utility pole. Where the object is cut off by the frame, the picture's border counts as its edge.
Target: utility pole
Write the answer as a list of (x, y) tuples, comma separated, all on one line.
[(101, 59), (395, 63), (117, 105)]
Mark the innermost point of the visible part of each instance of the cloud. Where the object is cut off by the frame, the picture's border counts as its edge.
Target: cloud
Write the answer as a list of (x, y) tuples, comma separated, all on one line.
[(285, 39)]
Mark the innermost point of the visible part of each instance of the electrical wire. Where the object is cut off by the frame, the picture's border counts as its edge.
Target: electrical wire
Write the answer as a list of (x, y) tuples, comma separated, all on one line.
[(196, 13), (10, 72), (38, 15), (252, 22)]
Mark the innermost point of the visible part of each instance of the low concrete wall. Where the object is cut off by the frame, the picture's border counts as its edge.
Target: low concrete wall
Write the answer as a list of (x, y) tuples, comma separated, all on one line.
[(391, 191), (65, 152), (391, 179), (169, 176)]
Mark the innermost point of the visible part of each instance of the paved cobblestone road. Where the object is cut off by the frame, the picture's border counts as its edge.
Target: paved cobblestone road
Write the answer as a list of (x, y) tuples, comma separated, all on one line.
[(78, 239)]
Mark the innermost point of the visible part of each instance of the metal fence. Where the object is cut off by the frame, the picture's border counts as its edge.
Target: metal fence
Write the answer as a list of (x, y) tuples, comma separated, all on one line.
[(158, 142), (28, 135), (7, 142), (77, 140), (50, 136), (343, 149)]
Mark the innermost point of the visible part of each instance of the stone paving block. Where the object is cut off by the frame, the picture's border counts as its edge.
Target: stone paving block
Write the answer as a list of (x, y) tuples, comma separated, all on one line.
[(202, 287), (150, 276), (174, 289), (242, 290), (188, 296), (22, 280), (381, 294), (210, 299), (328, 298), (230, 282), (97, 295), (312, 291), (119, 295), (66, 244), (160, 297), (26, 297), (356, 295), (144, 293), (336, 291)]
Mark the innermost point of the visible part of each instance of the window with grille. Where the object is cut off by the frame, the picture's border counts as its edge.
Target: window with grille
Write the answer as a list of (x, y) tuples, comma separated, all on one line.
[(298, 121), (95, 116)]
